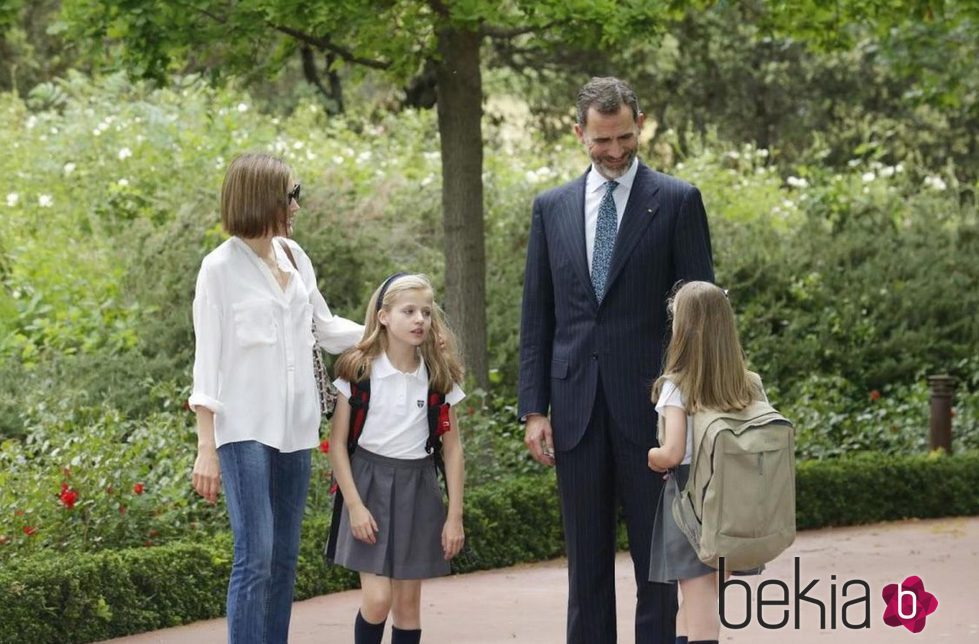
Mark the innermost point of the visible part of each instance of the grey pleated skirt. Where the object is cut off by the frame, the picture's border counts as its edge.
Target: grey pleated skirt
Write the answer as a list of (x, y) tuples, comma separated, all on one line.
[(405, 500), (671, 557)]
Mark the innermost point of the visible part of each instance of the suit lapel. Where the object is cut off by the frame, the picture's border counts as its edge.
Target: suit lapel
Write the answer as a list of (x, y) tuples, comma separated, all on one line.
[(572, 218), (642, 206)]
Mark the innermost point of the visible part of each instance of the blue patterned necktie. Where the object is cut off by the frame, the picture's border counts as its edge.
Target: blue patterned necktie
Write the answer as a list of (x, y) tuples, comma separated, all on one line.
[(604, 240)]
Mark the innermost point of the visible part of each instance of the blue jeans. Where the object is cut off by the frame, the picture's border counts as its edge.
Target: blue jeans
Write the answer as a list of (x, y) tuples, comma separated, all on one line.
[(266, 496)]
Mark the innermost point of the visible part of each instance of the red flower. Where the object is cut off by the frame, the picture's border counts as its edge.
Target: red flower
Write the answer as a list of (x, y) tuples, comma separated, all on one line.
[(68, 496), (875, 395), (29, 530), (122, 509), (137, 488), (325, 445)]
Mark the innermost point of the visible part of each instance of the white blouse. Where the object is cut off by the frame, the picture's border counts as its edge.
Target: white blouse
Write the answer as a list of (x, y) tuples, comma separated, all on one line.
[(397, 419), (253, 361)]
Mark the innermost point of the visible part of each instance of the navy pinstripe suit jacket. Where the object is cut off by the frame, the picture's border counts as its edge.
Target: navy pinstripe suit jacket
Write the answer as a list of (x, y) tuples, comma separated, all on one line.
[(568, 340)]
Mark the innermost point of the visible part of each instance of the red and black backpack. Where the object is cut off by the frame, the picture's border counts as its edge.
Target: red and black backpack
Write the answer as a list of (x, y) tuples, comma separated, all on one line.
[(360, 397)]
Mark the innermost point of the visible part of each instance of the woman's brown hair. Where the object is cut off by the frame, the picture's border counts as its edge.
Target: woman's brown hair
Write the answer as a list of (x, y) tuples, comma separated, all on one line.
[(254, 195)]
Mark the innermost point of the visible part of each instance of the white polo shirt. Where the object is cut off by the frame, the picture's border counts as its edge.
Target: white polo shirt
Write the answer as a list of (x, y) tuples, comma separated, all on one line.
[(253, 361), (397, 419)]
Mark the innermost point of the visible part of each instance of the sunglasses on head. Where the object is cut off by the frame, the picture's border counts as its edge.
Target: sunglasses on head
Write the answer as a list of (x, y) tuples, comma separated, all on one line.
[(294, 193)]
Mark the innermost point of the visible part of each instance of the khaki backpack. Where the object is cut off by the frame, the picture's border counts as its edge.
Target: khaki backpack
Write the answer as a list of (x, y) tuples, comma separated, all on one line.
[(739, 500)]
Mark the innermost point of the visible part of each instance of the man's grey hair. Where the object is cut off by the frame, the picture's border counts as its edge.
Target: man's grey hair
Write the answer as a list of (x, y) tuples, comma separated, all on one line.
[(607, 95)]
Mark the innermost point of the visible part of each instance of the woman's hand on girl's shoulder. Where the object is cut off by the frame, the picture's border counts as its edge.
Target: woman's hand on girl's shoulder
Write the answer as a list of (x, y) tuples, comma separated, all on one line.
[(453, 536), (362, 524)]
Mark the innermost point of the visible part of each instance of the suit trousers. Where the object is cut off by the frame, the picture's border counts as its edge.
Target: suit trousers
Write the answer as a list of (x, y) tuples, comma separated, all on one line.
[(606, 471)]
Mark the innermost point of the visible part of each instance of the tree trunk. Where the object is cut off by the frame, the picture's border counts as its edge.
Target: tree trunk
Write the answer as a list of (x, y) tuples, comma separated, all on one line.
[(460, 110)]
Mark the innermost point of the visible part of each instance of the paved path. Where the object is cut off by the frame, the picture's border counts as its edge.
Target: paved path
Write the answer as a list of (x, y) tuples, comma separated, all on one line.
[(527, 603)]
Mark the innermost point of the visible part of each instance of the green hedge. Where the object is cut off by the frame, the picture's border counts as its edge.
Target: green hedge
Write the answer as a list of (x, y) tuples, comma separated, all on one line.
[(89, 597), (870, 487)]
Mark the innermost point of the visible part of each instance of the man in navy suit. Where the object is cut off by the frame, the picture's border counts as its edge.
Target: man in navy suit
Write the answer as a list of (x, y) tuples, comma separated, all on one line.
[(604, 252)]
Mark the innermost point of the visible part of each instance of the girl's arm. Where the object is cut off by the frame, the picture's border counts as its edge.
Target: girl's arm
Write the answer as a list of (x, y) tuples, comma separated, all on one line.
[(671, 452), (453, 534), (362, 524)]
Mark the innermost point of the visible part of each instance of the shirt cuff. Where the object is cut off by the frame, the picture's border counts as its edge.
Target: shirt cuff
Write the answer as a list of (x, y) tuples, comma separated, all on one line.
[(203, 400)]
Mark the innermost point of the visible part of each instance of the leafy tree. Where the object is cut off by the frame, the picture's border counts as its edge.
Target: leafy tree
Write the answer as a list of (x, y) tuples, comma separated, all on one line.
[(426, 43), (32, 49), (892, 86)]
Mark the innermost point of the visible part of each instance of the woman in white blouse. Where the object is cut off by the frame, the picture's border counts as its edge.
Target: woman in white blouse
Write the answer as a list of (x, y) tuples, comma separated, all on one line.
[(255, 394)]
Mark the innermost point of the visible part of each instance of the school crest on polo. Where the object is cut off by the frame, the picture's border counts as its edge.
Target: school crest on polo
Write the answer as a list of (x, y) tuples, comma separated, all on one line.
[(421, 403)]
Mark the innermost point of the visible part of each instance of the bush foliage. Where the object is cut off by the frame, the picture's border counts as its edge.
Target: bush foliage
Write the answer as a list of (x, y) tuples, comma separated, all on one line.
[(91, 597), (851, 286)]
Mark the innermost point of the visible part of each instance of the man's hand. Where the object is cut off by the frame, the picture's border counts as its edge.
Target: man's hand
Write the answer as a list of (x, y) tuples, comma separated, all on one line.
[(538, 439)]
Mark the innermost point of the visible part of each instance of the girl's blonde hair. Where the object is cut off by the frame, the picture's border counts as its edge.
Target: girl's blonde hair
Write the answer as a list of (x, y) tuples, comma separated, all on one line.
[(438, 351), (705, 359), (254, 195)]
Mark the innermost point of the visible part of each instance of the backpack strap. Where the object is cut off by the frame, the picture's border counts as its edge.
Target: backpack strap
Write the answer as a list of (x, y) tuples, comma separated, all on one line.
[(438, 424), (360, 398)]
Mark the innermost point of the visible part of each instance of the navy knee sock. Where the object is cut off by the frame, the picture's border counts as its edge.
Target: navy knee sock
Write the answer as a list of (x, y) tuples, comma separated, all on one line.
[(367, 633), (681, 639), (702, 641), (399, 636)]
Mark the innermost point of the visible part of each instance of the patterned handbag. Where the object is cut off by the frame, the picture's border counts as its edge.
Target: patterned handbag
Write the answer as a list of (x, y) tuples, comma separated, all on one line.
[(324, 386)]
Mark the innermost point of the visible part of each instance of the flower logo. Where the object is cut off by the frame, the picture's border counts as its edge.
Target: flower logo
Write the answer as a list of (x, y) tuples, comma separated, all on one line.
[(908, 604)]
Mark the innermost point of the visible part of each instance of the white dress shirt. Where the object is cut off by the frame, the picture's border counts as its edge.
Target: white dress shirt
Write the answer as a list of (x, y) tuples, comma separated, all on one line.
[(594, 191), (253, 362), (397, 419)]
